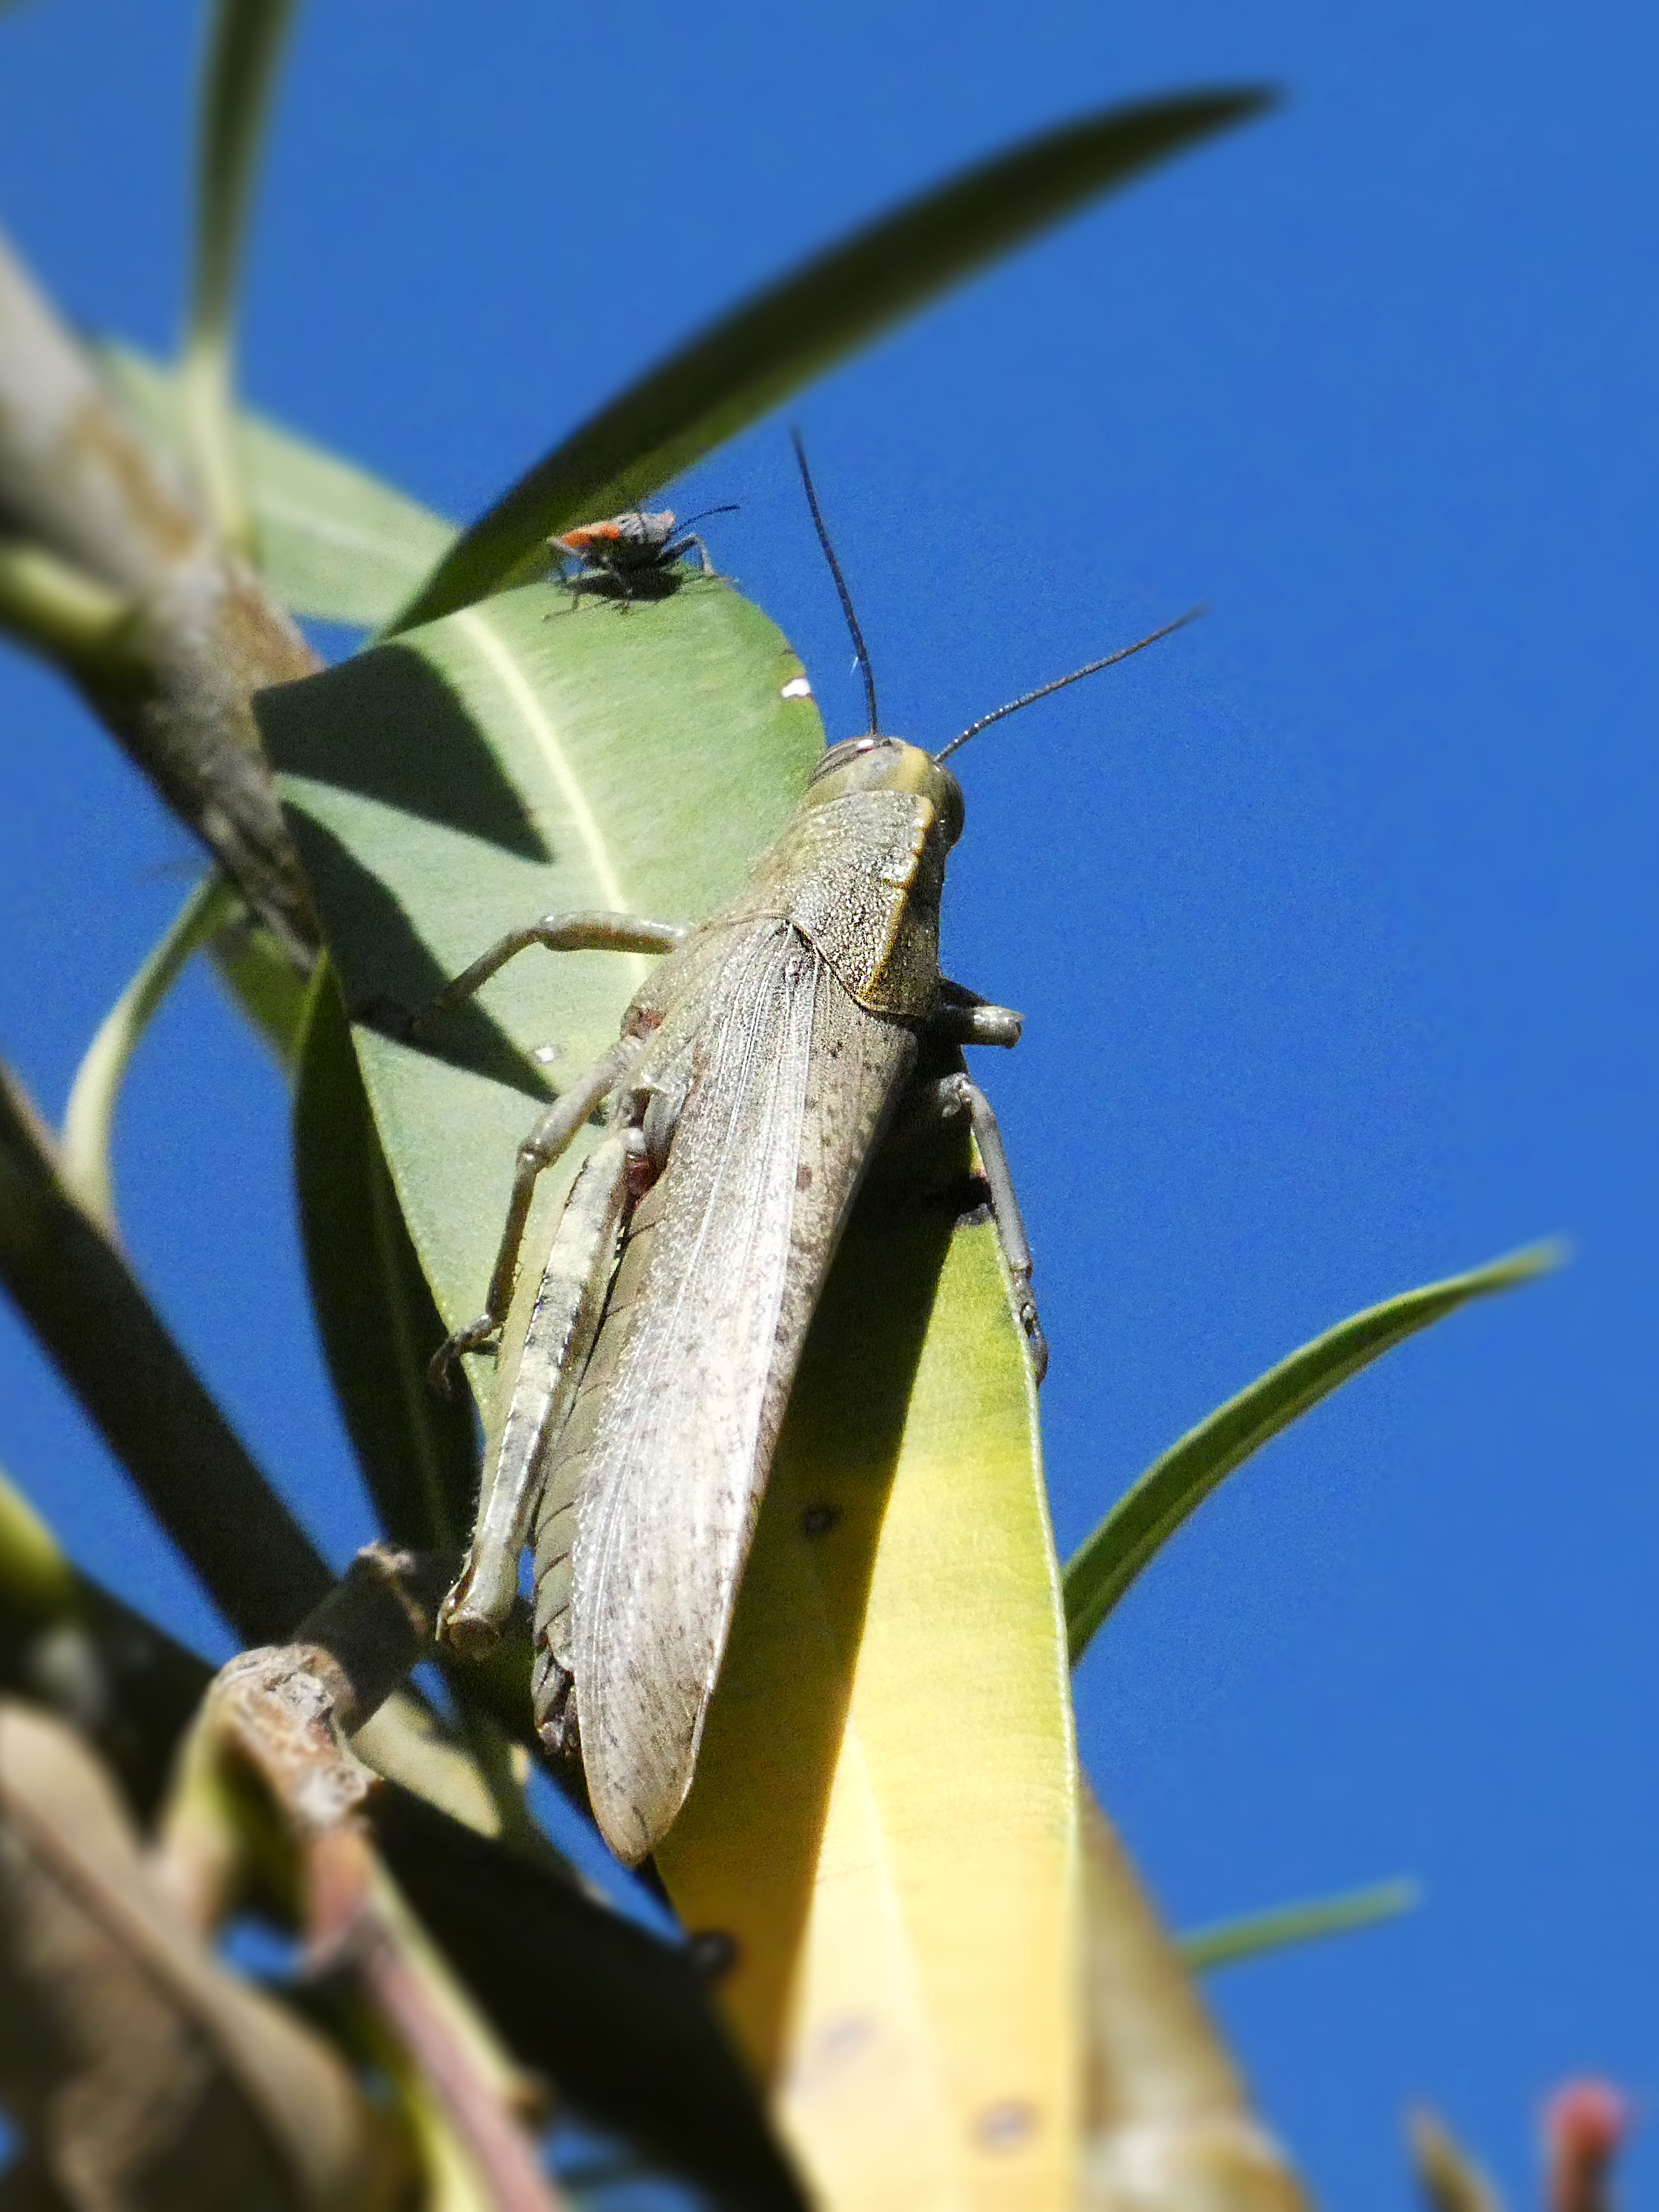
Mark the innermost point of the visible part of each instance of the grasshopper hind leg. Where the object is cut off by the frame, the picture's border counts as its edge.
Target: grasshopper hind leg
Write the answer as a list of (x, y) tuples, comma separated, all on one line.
[(563, 1326)]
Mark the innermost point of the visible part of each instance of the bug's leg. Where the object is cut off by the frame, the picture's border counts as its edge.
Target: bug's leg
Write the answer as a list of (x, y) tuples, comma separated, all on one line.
[(958, 1094), (556, 1347), (682, 546), (550, 1137), (963, 1018), (595, 930)]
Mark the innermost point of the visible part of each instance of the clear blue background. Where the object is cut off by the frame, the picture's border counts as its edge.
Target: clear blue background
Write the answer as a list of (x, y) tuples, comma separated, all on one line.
[(1332, 920)]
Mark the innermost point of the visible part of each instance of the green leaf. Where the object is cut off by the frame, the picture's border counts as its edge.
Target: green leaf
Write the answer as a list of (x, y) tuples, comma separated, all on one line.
[(84, 1161), (263, 981), (537, 754), (781, 337), (76, 1292), (1175, 1484), (243, 46), (379, 1325), (66, 1642), (884, 1812), (1228, 1943), (332, 542)]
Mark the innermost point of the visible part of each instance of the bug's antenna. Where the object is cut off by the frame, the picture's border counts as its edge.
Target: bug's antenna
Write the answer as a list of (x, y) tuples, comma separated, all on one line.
[(859, 647), (703, 513), (1088, 668)]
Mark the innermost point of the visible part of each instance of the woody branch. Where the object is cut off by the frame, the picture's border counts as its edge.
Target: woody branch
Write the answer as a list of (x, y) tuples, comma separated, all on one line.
[(109, 569)]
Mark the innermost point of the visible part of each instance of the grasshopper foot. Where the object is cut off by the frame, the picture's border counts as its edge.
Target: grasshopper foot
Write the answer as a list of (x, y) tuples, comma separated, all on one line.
[(472, 1338), (467, 1622), (1034, 1336)]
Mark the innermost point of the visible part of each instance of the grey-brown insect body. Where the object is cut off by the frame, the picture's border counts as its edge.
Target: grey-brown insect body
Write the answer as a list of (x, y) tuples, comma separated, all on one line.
[(778, 1038), (755, 1074)]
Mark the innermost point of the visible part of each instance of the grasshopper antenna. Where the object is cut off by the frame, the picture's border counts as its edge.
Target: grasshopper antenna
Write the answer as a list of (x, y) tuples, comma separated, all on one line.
[(859, 647), (1088, 668), (703, 513)]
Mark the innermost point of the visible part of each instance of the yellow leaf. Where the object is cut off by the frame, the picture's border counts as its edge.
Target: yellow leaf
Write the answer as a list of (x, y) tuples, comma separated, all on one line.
[(883, 1821)]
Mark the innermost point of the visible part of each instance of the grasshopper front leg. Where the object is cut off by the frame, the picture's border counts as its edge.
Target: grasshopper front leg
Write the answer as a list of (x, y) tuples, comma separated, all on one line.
[(963, 1018), (587, 930), (557, 1344), (958, 1094)]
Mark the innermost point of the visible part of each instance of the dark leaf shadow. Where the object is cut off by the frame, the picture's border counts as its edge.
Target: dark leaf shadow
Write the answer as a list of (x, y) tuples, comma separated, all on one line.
[(386, 970), (386, 725)]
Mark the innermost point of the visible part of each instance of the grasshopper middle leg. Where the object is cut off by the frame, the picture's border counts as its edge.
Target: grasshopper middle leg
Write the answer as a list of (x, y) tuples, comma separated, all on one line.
[(585, 930)]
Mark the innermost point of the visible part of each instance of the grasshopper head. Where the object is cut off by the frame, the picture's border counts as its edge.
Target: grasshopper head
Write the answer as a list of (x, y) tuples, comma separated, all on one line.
[(872, 764)]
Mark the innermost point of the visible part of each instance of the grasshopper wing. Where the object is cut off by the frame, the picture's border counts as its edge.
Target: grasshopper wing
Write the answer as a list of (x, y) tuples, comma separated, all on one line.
[(792, 1084)]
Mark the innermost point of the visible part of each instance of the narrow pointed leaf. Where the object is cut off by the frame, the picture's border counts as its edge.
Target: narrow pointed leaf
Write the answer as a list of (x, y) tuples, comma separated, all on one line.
[(1177, 1485), (1167, 2119), (1228, 1943), (76, 1292), (243, 46), (331, 541), (139, 2071), (1448, 2179), (783, 337), (379, 1325), (85, 1161), (883, 1819), (263, 983)]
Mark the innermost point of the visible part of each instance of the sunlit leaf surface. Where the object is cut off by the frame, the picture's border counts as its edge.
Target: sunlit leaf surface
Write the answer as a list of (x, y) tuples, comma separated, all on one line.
[(883, 1823)]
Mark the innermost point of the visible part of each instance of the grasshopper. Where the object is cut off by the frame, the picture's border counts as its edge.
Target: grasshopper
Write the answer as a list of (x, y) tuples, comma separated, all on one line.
[(757, 1074)]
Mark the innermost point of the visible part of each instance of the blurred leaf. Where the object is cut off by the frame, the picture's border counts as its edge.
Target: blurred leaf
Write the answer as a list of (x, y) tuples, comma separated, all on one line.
[(1447, 2178), (1166, 2119), (332, 542), (66, 1643), (637, 2046), (243, 46), (1177, 1485), (380, 1327), (1228, 1943), (85, 1161), (78, 1294), (137, 2070), (883, 1822), (778, 340), (619, 2019)]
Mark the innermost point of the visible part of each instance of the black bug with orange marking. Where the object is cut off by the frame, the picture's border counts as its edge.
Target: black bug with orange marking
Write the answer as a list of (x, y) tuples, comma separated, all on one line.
[(632, 555)]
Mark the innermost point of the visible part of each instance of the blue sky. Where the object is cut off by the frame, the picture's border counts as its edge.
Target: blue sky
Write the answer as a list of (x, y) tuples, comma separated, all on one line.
[(1332, 919)]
